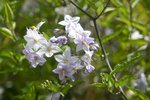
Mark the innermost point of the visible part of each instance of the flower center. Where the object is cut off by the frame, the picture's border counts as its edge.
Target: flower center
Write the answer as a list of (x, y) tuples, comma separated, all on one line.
[(35, 40), (83, 42), (49, 49), (63, 72), (75, 68), (65, 61), (35, 58)]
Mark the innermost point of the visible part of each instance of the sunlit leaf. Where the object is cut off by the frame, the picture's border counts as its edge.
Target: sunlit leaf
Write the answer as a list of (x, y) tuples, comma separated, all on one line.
[(6, 32), (138, 93), (111, 36), (123, 80), (9, 13), (124, 64), (99, 85)]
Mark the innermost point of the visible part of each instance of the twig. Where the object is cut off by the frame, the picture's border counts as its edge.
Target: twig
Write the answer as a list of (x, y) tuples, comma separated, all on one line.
[(81, 10), (130, 16), (102, 10), (100, 42)]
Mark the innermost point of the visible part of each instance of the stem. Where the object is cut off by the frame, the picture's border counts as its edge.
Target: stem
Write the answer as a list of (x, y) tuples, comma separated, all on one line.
[(130, 16), (100, 42), (102, 10), (81, 10), (107, 60)]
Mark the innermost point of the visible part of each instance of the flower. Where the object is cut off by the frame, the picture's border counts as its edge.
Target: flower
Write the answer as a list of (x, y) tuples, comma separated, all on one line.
[(76, 66), (83, 42), (60, 40), (39, 25), (94, 46), (69, 21), (64, 71), (49, 49), (66, 57), (34, 58), (87, 58), (89, 68), (34, 39)]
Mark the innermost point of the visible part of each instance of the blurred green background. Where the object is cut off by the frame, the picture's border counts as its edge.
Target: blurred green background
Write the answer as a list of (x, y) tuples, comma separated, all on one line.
[(124, 28)]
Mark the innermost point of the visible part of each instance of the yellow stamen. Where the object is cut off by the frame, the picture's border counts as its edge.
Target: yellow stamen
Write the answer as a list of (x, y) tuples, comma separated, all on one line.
[(66, 61), (83, 42), (63, 72), (75, 68), (35, 40), (33, 27), (49, 49)]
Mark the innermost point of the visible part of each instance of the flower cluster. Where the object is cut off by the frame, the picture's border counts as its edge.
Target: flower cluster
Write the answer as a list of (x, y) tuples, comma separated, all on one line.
[(37, 46), (68, 64)]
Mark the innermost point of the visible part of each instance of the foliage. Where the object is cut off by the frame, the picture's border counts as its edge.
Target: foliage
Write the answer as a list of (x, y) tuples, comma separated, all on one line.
[(124, 30)]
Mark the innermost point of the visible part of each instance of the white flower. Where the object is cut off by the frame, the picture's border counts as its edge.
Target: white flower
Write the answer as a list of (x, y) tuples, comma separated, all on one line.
[(87, 57), (34, 39), (69, 21), (136, 35), (33, 57), (83, 42), (66, 58), (39, 25), (75, 31), (49, 49)]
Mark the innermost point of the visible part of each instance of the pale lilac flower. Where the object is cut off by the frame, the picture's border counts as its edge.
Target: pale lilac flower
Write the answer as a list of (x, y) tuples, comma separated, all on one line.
[(34, 39), (89, 68), (76, 66), (141, 83), (53, 39), (75, 31), (69, 21), (83, 43), (49, 49), (64, 71), (60, 40), (34, 58), (66, 57), (87, 57), (58, 31), (94, 46)]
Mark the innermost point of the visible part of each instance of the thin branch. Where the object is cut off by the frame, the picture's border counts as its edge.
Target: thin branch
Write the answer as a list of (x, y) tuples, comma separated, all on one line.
[(81, 9), (102, 10), (130, 16), (100, 42), (107, 60)]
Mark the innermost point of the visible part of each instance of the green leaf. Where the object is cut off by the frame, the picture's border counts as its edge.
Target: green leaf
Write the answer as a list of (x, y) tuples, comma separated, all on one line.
[(123, 65), (111, 36), (8, 13), (135, 24), (108, 9), (108, 80), (135, 2), (140, 94), (51, 86), (68, 86), (91, 4), (123, 80), (6, 32), (116, 3), (99, 85)]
